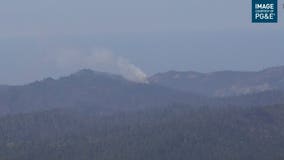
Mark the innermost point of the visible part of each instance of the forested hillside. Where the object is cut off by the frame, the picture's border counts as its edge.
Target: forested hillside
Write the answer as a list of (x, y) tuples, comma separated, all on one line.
[(93, 115), (174, 132)]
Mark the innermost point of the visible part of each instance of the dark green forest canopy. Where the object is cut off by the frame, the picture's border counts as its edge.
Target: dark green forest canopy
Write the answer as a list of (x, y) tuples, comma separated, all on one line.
[(164, 133)]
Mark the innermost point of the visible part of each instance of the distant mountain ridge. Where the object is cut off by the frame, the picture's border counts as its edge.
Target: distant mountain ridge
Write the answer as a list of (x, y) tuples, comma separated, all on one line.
[(87, 88), (223, 83), (108, 92)]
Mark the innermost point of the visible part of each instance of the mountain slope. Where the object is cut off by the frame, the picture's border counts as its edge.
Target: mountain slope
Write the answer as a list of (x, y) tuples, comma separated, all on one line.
[(223, 83), (88, 88), (107, 92)]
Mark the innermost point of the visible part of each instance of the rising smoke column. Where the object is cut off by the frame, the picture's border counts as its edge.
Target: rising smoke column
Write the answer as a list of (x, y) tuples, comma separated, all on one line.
[(100, 60), (130, 71)]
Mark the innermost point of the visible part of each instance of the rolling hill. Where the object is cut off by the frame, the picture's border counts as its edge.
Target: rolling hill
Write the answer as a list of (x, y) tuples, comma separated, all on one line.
[(223, 83), (89, 88)]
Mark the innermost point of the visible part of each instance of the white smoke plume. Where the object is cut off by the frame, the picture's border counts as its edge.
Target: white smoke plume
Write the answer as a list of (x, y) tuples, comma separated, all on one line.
[(100, 60)]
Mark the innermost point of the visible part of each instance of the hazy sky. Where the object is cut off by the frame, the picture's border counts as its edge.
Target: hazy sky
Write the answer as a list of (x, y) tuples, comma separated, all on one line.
[(55, 37)]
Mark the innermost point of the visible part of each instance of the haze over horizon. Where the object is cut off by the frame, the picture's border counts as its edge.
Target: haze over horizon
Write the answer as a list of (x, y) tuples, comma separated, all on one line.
[(41, 39)]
